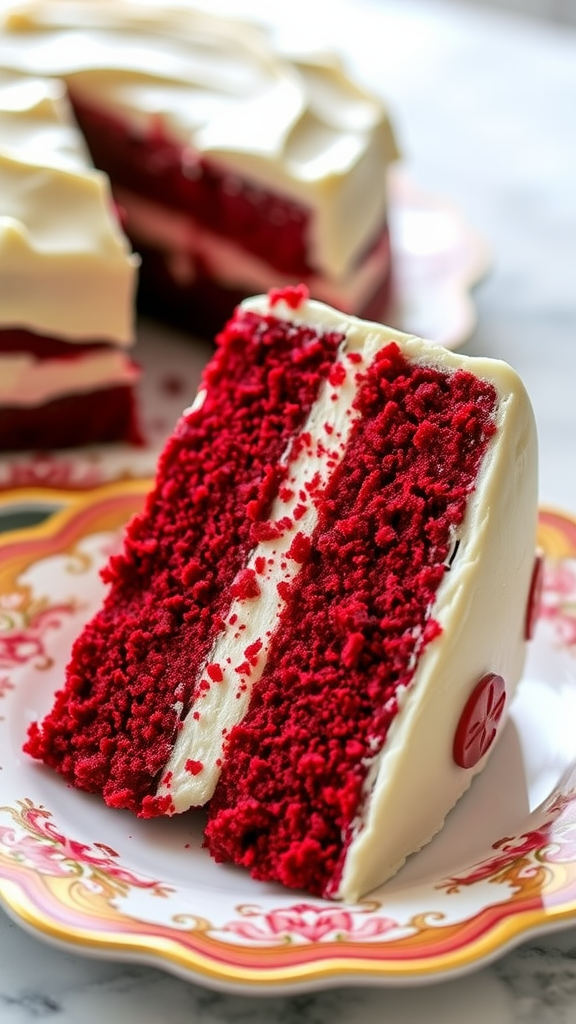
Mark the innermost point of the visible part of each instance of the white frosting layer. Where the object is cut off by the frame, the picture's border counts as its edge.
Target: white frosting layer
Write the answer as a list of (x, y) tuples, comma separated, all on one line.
[(26, 381), (294, 124), (481, 606), (65, 267)]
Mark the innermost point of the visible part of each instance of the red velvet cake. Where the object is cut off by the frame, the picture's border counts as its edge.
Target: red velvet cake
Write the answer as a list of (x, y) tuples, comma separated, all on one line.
[(320, 617), (67, 280), (239, 166)]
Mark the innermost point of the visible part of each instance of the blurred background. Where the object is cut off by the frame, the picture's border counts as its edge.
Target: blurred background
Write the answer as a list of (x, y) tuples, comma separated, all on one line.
[(562, 11)]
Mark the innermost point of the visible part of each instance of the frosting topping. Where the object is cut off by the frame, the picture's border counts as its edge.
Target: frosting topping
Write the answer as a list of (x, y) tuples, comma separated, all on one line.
[(64, 263)]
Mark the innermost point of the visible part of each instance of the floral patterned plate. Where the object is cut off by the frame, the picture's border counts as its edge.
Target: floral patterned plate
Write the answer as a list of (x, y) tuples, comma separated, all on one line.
[(99, 882)]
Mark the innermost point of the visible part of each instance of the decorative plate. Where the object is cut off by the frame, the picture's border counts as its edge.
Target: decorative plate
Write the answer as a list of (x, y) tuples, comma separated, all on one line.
[(99, 882), (437, 257)]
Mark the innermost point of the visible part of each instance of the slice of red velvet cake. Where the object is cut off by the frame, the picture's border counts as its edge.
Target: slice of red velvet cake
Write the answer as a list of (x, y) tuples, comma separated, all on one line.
[(67, 282), (239, 165), (320, 617)]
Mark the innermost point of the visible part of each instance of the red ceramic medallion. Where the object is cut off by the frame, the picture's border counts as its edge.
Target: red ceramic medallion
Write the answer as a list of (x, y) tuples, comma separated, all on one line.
[(478, 725), (534, 597)]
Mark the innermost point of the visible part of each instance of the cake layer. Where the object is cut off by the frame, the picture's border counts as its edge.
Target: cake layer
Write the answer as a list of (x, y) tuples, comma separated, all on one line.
[(67, 280), (337, 551), (88, 417), (202, 304), (56, 394)]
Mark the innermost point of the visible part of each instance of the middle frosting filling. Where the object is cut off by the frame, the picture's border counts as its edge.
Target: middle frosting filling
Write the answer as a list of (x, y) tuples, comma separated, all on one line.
[(238, 656)]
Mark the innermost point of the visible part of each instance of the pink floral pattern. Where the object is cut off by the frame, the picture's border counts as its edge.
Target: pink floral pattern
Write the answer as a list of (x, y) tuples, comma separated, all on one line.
[(49, 469), (520, 857), (24, 626), (558, 605), (34, 841), (5, 686), (310, 923)]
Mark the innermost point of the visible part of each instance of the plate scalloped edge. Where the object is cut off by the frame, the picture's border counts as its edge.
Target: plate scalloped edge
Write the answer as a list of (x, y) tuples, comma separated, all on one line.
[(85, 897)]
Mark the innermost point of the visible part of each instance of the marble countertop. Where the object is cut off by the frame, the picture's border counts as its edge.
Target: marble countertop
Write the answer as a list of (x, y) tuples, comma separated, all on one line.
[(485, 105)]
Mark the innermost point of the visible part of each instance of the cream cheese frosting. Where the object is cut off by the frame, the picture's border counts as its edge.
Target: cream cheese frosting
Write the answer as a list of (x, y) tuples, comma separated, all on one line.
[(481, 606), (27, 382), (295, 124), (65, 266)]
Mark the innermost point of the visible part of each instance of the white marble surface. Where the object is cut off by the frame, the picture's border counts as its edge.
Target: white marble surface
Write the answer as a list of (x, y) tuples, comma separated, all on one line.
[(485, 105)]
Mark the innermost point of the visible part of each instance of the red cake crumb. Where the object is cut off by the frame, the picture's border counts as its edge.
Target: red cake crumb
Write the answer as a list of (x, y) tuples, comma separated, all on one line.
[(299, 548), (246, 586), (293, 295), (252, 651), (356, 619), (215, 673), (337, 375), (96, 417)]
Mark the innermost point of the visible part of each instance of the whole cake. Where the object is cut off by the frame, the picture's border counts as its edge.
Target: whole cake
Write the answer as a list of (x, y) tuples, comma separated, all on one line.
[(67, 281), (318, 621), (238, 165)]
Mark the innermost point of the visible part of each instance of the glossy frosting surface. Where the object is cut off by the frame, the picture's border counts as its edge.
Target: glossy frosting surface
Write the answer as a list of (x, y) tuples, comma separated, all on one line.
[(65, 266)]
